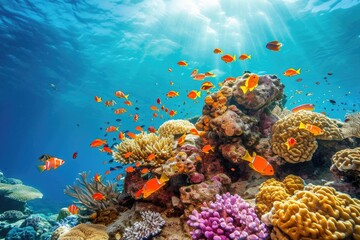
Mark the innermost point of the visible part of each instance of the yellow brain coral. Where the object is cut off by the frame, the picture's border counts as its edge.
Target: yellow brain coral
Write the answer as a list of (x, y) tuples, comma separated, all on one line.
[(316, 213), (347, 159), (288, 127), (175, 127), (142, 147), (86, 232)]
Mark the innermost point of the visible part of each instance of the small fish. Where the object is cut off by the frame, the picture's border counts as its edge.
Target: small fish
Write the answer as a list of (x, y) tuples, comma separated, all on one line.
[(244, 56), (73, 209), (193, 131), (194, 94), (107, 172), (171, 83), (155, 114), (128, 154), (181, 140), (210, 74), (182, 63), (151, 157), (172, 94), (129, 169), (169, 69), (333, 102), (158, 101), (194, 72), (218, 51), (151, 129), (199, 77), (317, 83), (259, 164), (118, 177), (228, 58), (120, 111), (309, 94), (151, 186), (110, 103), (51, 163), (97, 178), (274, 45), (311, 128), (131, 135), (121, 136), (307, 106), (136, 117), (106, 149), (98, 99), (112, 129), (299, 80), (207, 148), (290, 143), (120, 94), (144, 171), (154, 108), (172, 113), (128, 103), (291, 72), (139, 128), (53, 86), (74, 156), (137, 164), (251, 83), (206, 85), (97, 142), (98, 196)]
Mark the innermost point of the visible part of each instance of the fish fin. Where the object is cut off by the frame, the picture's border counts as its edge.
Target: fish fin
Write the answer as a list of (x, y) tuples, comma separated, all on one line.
[(56, 167), (247, 157), (163, 178), (244, 89), (127, 96), (198, 93), (139, 193), (298, 71), (287, 145), (41, 168), (234, 57), (302, 125), (249, 56), (251, 89)]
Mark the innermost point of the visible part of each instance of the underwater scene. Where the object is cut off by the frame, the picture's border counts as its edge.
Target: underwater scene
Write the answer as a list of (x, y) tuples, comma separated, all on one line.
[(179, 120)]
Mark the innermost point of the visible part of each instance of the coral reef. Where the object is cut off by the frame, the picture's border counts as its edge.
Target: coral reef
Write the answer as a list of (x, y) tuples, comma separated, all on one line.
[(347, 160), (144, 145), (150, 226), (351, 126), (175, 127), (17, 233), (318, 212), (229, 217), (12, 216), (38, 223), (86, 232)]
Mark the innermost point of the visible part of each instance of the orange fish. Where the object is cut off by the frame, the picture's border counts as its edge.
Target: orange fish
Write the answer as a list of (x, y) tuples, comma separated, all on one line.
[(311, 128), (290, 143), (136, 117), (259, 164), (139, 128), (118, 177), (166, 110), (106, 149), (274, 46), (144, 170), (97, 142), (98, 196), (194, 72), (228, 58), (154, 108), (97, 177), (110, 103), (251, 83), (52, 162), (218, 51), (199, 77), (181, 139), (128, 103), (194, 132), (137, 164), (128, 154), (308, 107), (172, 94), (194, 94), (131, 135), (291, 72), (121, 136), (172, 113), (107, 172), (129, 169), (151, 186), (207, 148), (98, 99), (182, 63), (244, 56), (151, 157), (112, 129), (206, 85), (155, 114), (120, 94), (73, 209), (120, 111)]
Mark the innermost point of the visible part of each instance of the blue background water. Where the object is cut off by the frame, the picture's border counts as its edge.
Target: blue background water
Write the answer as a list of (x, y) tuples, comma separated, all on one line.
[(88, 48)]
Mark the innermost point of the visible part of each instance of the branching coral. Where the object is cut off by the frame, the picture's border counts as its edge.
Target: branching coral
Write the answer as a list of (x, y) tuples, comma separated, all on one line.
[(142, 147), (150, 226), (175, 127), (316, 213), (84, 191)]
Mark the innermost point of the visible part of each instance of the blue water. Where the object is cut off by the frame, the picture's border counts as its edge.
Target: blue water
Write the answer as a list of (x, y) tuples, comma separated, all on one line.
[(96, 47)]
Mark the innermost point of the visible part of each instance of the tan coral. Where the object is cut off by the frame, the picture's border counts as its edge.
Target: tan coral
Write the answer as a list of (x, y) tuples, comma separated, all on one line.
[(143, 146), (347, 159), (316, 213), (19, 192), (293, 183), (306, 143), (351, 127), (175, 127), (86, 232)]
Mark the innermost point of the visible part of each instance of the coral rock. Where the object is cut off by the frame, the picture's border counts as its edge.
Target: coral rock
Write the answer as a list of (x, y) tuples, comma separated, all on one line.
[(86, 232)]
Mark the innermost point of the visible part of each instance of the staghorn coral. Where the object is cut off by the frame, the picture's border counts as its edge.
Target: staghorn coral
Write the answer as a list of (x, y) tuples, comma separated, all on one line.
[(347, 160), (175, 127), (150, 226), (229, 217), (144, 145), (273, 190), (306, 143), (84, 191), (86, 232), (317, 212)]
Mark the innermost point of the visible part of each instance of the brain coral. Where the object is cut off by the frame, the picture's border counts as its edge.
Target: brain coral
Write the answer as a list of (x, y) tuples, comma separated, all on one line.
[(347, 159), (306, 144), (316, 213), (175, 127), (143, 146), (86, 232)]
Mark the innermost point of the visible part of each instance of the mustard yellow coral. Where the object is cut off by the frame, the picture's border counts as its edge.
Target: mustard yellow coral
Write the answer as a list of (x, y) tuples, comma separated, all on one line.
[(86, 232), (306, 144), (175, 127), (144, 145), (316, 213), (347, 159)]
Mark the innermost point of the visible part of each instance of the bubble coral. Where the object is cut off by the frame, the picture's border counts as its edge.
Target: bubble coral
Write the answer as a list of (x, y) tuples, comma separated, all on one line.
[(175, 127), (229, 217), (306, 143), (318, 212)]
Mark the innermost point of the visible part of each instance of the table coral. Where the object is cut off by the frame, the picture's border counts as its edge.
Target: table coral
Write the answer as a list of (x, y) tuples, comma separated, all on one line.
[(175, 127), (86, 232), (306, 143), (229, 217), (317, 212)]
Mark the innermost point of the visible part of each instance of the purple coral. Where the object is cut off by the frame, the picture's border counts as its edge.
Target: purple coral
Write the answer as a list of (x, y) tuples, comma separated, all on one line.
[(229, 217)]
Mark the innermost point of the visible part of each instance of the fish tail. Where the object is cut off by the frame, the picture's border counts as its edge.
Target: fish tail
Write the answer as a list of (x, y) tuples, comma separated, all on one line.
[(41, 168), (127, 96), (163, 178), (244, 89), (198, 93), (287, 145), (298, 71), (302, 125), (234, 57), (249, 57), (247, 156)]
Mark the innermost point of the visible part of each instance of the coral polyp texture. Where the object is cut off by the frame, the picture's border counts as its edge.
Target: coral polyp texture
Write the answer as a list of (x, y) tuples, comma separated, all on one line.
[(317, 212), (175, 127), (306, 144), (85, 232), (144, 145), (229, 217), (347, 160)]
